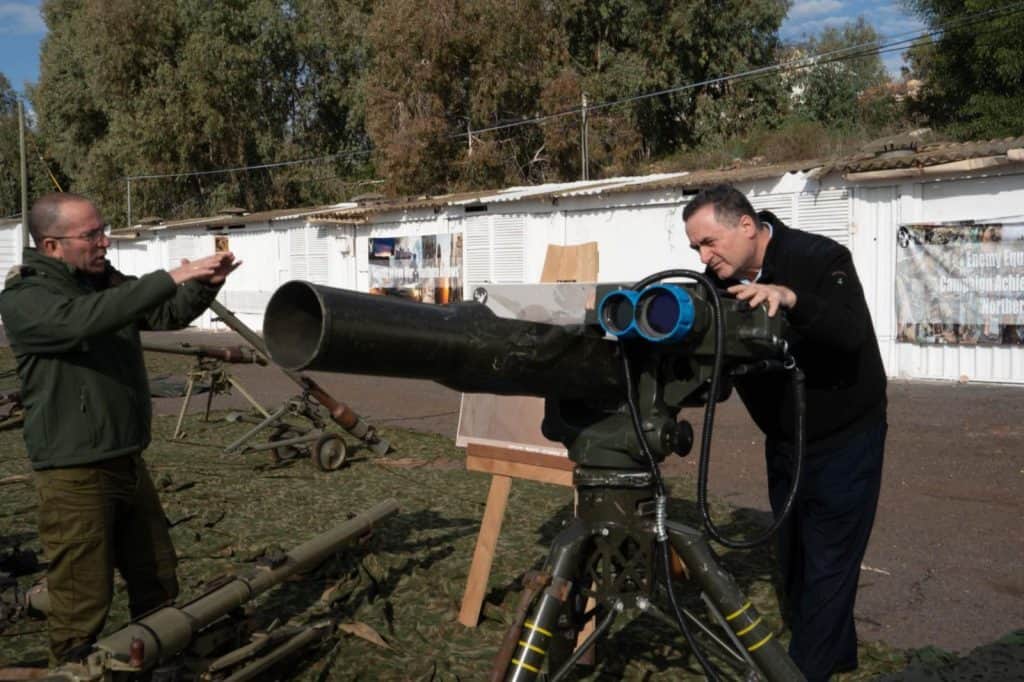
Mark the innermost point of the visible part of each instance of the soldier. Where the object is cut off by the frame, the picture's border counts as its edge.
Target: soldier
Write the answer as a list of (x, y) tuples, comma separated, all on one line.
[(73, 322)]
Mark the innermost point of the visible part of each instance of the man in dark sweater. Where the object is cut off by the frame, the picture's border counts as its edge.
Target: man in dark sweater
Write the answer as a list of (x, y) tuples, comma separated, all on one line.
[(757, 258), (73, 322)]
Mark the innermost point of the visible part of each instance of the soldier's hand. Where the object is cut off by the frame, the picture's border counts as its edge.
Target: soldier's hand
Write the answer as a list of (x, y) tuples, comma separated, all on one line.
[(774, 295), (210, 269)]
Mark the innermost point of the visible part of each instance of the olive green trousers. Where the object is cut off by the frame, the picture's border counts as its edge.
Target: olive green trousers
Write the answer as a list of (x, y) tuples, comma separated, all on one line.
[(93, 519)]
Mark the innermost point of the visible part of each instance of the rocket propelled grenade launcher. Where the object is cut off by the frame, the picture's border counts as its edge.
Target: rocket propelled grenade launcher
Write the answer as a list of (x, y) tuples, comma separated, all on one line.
[(163, 635), (229, 354)]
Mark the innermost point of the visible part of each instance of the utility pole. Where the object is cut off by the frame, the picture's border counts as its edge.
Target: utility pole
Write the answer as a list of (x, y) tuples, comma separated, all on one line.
[(24, 174), (584, 152), (129, 180)]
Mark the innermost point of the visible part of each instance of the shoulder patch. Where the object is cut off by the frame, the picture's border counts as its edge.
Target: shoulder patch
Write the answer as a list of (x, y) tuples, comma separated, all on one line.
[(18, 272)]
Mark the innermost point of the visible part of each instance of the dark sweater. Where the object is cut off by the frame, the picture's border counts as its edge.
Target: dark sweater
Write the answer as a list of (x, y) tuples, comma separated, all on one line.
[(832, 339)]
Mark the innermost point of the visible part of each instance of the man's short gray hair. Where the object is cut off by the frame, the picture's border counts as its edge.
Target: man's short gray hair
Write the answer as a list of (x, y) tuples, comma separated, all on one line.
[(45, 218)]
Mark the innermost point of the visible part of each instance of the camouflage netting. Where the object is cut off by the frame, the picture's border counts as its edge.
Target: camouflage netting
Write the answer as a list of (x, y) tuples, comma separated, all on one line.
[(397, 599)]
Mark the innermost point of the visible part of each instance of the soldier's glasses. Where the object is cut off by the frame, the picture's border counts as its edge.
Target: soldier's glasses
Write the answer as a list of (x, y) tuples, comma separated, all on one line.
[(94, 236)]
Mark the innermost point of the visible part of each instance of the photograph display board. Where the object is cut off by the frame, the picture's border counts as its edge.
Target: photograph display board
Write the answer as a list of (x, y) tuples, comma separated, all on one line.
[(960, 283), (427, 268)]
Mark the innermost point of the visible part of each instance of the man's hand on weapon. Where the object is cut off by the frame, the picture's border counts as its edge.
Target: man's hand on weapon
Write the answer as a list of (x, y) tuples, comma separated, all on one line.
[(211, 269), (774, 295)]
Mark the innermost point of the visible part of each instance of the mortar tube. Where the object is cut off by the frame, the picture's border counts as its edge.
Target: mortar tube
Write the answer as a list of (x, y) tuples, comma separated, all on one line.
[(341, 414), (229, 354)]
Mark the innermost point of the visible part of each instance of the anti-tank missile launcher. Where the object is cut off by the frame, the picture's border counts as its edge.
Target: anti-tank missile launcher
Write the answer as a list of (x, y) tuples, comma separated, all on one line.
[(613, 403)]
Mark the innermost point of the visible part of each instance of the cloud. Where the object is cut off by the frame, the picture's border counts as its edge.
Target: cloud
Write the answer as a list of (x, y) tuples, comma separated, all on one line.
[(892, 62), (811, 27), (813, 8), (809, 17), (891, 18), (20, 18)]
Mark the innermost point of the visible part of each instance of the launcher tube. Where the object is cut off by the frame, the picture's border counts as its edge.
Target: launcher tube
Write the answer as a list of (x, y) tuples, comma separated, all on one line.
[(464, 346)]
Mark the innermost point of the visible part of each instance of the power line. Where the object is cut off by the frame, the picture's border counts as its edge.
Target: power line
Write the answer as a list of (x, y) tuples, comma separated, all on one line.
[(277, 164), (900, 41), (842, 54)]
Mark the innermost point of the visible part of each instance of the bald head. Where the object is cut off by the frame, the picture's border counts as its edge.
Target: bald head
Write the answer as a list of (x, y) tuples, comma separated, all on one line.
[(46, 218)]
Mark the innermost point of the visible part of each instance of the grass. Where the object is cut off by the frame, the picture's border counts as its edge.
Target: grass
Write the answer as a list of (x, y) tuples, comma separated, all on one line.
[(406, 584)]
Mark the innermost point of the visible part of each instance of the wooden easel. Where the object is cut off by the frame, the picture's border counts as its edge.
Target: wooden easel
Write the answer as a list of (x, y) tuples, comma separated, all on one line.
[(561, 264), (503, 464)]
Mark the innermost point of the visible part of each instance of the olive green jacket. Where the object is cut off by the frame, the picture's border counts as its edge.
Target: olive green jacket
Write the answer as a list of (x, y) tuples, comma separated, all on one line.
[(76, 341)]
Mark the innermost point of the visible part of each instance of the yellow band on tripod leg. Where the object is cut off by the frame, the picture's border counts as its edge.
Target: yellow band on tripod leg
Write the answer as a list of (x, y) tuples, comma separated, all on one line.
[(525, 665), (737, 614), (760, 644)]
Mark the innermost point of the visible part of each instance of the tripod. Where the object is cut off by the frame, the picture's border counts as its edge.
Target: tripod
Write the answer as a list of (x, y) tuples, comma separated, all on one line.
[(607, 556), (684, 338)]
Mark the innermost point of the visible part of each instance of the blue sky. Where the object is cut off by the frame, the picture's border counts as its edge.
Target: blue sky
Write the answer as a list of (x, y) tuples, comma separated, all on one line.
[(890, 19), (22, 29)]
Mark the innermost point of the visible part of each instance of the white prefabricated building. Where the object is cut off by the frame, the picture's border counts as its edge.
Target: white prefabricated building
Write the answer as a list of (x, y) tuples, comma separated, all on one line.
[(637, 225)]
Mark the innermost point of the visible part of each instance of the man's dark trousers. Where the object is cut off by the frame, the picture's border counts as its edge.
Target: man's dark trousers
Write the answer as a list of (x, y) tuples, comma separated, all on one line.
[(821, 545)]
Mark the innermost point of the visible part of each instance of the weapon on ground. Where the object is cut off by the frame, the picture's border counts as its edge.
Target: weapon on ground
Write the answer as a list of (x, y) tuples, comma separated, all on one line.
[(186, 642), (16, 603), (230, 354), (288, 439), (614, 404), (209, 370), (340, 413)]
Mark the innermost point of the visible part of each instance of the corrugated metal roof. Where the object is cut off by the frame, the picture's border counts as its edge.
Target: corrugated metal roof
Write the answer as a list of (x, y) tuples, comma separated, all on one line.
[(560, 190), (932, 154), (905, 151), (227, 220), (707, 178)]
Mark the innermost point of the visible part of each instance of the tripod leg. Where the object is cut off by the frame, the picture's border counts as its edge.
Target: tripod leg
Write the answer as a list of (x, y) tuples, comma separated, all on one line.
[(184, 406), (209, 396), (563, 564), (256, 429), (742, 618), (245, 394)]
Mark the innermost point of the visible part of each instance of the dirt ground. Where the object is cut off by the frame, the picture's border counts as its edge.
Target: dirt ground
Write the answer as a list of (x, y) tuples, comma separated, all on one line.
[(944, 567)]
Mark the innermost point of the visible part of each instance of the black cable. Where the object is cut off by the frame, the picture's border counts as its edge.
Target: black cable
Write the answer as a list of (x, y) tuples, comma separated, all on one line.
[(659, 484), (638, 428), (577, 654), (704, 460)]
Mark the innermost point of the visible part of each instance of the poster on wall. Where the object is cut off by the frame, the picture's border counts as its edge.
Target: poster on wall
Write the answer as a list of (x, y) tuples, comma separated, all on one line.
[(426, 268), (960, 283)]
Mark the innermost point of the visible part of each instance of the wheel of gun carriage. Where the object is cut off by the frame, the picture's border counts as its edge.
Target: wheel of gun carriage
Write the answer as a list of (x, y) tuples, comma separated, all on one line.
[(285, 453), (329, 452)]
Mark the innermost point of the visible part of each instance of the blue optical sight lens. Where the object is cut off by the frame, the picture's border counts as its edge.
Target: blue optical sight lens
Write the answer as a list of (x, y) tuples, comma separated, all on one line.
[(664, 313), (615, 312)]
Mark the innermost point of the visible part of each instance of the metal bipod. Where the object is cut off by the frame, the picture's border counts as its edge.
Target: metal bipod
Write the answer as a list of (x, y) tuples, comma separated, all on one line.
[(289, 440)]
